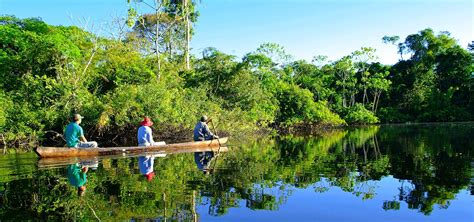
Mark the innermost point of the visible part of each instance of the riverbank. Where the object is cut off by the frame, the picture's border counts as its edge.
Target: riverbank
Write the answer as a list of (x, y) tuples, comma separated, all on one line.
[(176, 134)]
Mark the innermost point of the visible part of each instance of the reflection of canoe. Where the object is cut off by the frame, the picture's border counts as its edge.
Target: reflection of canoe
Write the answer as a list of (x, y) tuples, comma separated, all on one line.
[(61, 162), (46, 152)]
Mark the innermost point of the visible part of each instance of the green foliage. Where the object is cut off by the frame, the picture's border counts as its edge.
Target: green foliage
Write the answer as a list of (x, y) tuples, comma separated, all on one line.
[(54, 71), (296, 107), (358, 114), (434, 83), (5, 108), (392, 115)]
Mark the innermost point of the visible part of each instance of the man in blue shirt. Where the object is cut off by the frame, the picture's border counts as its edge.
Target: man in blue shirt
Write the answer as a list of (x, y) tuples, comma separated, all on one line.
[(75, 135), (145, 134), (202, 132)]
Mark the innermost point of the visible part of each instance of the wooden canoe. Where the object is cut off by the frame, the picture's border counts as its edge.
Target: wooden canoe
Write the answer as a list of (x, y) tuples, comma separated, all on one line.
[(61, 162), (48, 152)]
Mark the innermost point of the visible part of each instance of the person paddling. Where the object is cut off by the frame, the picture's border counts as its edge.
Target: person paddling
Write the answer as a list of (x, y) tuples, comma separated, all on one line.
[(75, 135), (201, 130), (145, 134)]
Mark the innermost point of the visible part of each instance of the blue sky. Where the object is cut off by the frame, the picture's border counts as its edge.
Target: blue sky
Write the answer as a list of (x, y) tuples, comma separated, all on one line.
[(304, 27)]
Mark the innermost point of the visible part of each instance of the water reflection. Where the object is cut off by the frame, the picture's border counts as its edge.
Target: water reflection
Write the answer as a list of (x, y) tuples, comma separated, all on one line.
[(203, 161), (407, 171), (77, 177), (145, 164)]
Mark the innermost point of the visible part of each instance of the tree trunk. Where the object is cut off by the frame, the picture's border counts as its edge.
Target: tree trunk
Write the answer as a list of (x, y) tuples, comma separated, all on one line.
[(377, 103), (343, 99), (364, 98), (157, 44), (188, 33), (375, 100)]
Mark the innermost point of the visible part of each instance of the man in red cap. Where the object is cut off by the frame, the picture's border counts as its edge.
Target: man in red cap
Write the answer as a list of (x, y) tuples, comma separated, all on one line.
[(145, 135)]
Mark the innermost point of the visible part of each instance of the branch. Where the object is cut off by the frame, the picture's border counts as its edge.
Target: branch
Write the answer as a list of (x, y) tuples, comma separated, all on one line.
[(149, 5), (57, 134)]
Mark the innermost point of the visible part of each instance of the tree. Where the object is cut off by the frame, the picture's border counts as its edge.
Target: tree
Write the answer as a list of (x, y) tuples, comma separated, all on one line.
[(345, 80), (362, 59), (168, 28), (158, 6), (394, 40), (378, 84), (275, 52), (185, 12)]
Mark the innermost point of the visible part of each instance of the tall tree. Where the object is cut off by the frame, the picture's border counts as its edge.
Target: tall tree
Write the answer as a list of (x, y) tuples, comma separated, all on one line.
[(188, 31), (158, 6), (170, 27), (394, 40), (345, 80), (362, 59)]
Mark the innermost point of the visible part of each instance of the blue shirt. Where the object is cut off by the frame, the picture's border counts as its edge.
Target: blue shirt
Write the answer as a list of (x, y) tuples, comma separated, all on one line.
[(203, 159), (75, 175), (72, 133), (144, 135), (202, 132), (145, 163)]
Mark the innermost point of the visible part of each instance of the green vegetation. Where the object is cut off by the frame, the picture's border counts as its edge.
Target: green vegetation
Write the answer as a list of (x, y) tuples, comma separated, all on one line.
[(49, 72)]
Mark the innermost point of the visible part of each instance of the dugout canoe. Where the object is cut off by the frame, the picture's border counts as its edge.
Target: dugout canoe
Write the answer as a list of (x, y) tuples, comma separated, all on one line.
[(50, 152), (61, 162)]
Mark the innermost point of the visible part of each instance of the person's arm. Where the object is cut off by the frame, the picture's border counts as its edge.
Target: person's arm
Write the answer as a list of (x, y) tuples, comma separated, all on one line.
[(207, 131), (83, 176), (83, 139), (81, 136), (149, 136)]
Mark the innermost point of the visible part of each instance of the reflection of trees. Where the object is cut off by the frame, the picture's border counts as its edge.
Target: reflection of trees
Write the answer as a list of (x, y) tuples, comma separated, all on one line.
[(116, 190), (45, 196), (435, 162), (432, 165)]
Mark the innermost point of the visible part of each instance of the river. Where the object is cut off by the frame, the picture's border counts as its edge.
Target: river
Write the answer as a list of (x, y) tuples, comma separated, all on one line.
[(421, 172)]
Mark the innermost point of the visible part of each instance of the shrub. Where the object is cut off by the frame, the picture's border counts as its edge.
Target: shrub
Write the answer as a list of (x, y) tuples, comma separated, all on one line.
[(296, 106), (358, 114)]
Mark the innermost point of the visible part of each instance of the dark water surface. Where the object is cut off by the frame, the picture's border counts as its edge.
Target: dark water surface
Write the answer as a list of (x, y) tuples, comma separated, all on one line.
[(387, 173)]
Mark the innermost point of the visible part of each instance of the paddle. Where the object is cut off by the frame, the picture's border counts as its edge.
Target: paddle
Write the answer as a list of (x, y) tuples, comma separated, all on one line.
[(215, 132), (219, 150)]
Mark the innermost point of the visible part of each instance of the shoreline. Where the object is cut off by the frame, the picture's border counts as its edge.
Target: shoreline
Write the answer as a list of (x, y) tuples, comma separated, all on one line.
[(261, 132)]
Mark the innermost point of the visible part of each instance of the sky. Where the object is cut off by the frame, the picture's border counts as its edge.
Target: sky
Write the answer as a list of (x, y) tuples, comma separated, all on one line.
[(305, 28)]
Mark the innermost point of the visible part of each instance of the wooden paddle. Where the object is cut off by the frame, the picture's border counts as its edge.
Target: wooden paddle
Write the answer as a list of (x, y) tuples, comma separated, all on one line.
[(215, 132)]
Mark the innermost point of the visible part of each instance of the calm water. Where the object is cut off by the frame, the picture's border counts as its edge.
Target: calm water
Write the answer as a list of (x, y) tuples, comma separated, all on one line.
[(388, 173)]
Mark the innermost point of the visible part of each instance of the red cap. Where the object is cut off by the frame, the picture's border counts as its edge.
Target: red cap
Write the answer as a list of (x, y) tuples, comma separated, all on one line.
[(149, 176), (146, 122)]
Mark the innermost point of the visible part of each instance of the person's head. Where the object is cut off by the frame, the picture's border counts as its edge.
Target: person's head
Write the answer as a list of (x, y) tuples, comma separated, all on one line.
[(77, 118), (149, 176), (146, 122), (81, 191), (204, 118)]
